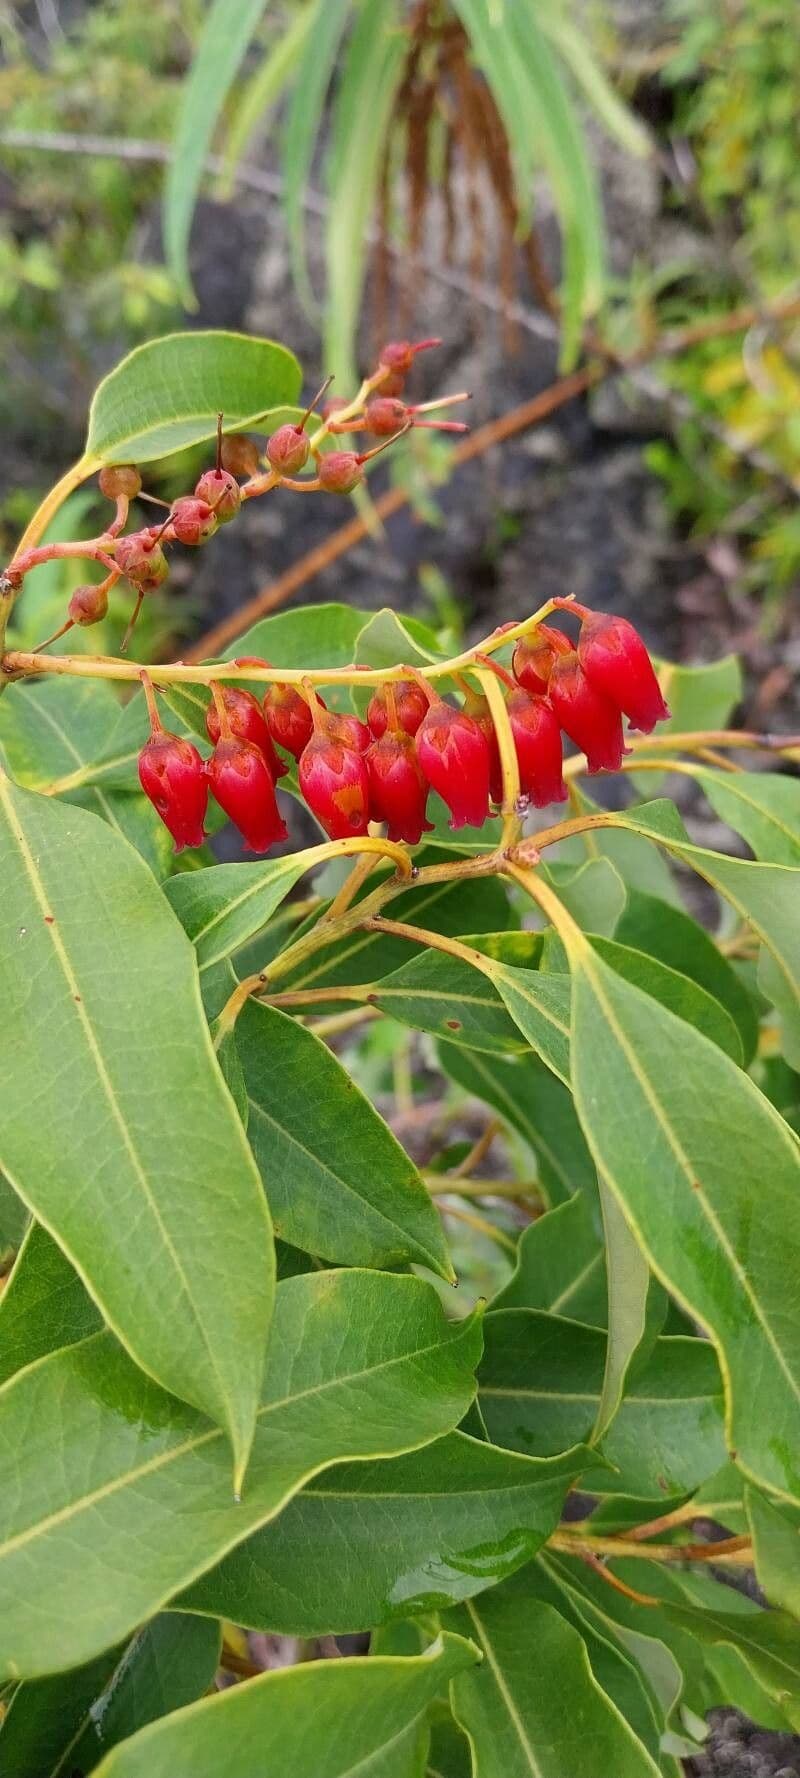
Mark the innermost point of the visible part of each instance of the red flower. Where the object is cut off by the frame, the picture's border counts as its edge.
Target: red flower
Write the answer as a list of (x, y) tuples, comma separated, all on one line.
[(534, 656), (334, 781), (243, 785), (589, 718), (398, 791), (173, 775), (247, 722), (454, 756), (616, 662), (537, 739), (288, 718), (411, 705)]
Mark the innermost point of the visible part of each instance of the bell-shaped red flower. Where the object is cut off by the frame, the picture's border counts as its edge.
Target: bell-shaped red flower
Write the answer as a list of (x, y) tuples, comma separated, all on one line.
[(243, 785), (411, 704), (247, 722), (334, 781), (349, 729), (173, 775), (537, 739), (616, 662), (589, 718), (289, 718), (397, 789), (534, 656), (454, 756)]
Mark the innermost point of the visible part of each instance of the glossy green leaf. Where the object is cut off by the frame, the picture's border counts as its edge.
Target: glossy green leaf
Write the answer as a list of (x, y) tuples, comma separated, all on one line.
[(325, 1719), (167, 394), (452, 999), (651, 925), (764, 807), (708, 1174), (338, 1182), (532, 1102), (767, 1641), (262, 90), (360, 1364), (474, 906), (391, 1539), (304, 121), (44, 1305), (228, 27), (14, 1218), (66, 1723), (673, 988), (594, 893), (534, 1709), (540, 1386), (538, 1002), (135, 1159), (637, 859), (223, 906), (628, 1281), (323, 635), (776, 1548), (699, 697), (560, 1266)]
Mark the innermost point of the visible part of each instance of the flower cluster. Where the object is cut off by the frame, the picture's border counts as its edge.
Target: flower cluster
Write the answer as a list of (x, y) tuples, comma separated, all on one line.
[(352, 772)]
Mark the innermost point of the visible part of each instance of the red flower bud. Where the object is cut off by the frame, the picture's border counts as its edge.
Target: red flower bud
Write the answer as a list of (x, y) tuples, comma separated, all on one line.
[(534, 656), (340, 472), (289, 718), (118, 480), (220, 490), (589, 718), (239, 454), (350, 730), (537, 739), (384, 414), (247, 722), (334, 781), (173, 775), (243, 785), (616, 662), (398, 791), (193, 521), (142, 560), (411, 705), (287, 450), (88, 604), (454, 756), (399, 355)]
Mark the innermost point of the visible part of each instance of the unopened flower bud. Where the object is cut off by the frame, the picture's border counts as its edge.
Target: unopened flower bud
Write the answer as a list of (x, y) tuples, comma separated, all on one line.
[(287, 450), (454, 757), (120, 481), (411, 704), (242, 783), (616, 662), (398, 791), (340, 472), (142, 559), (88, 605), (385, 414), (240, 454), (289, 718), (193, 521), (586, 715), (173, 776), (537, 740), (247, 722), (334, 781), (396, 359), (534, 656), (220, 490)]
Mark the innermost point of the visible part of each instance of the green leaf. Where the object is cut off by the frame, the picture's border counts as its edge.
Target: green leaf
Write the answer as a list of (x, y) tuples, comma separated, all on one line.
[(651, 925), (452, 999), (227, 30), (360, 1364), (134, 1159), (475, 906), (767, 1641), (675, 990), (571, 43), (593, 892), (776, 1547), (539, 1004), (534, 1708), (540, 1385), (315, 636), (263, 89), (167, 394), (392, 1539), (66, 1723), (628, 1281), (639, 864), (389, 641), (338, 1182), (530, 1099), (702, 697), (560, 1266), (222, 907), (326, 1719), (303, 123), (44, 1305), (14, 1218), (707, 1174), (764, 807)]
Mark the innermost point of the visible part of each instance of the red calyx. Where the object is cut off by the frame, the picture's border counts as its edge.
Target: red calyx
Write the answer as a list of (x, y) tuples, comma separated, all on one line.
[(289, 718), (340, 472), (141, 558), (454, 755), (534, 656), (242, 783), (173, 776), (589, 718), (193, 521), (287, 450), (616, 662), (350, 730), (411, 704), (88, 604), (537, 739), (220, 490), (335, 783), (385, 414), (396, 359), (397, 788), (247, 724), (239, 454)]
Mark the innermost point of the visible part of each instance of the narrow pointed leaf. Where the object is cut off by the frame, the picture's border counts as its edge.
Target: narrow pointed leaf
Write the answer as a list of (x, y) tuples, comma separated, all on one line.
[(764, 807), (390, 1539), (668, 933), (140, 1502), (776, 1547), (44, 1305), (560, 1266), (628, 1281), (116, 1126)]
